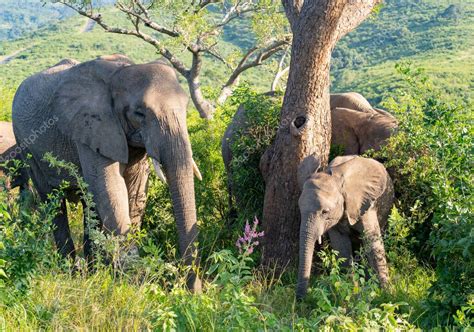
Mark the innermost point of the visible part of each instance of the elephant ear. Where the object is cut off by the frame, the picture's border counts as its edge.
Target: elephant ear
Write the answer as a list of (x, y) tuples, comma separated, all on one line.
[(307, 168), (84, 106), (364, 181)]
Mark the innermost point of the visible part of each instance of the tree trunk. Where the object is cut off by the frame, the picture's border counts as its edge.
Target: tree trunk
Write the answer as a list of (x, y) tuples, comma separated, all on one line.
[(305, 120), (305, 127)]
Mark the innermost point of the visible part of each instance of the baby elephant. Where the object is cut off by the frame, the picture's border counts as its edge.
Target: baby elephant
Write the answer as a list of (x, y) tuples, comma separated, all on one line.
[(352, 197)]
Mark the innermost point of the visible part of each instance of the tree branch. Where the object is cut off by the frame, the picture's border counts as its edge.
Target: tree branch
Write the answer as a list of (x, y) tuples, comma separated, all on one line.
[(354, 13), (146, 18), (204, 108), (236, 11), (203, 4), (245, 64), (280, 70), (175, 62)]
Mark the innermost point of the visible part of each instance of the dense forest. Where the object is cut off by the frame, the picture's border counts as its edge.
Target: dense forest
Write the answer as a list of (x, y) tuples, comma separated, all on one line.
[(414, 59)]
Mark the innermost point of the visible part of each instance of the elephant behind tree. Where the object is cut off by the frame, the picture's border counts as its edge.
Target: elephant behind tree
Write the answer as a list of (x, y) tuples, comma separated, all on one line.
[(354, 131), (106, 116), (9, 153), (350, 200), (380, 123), (357, 132)]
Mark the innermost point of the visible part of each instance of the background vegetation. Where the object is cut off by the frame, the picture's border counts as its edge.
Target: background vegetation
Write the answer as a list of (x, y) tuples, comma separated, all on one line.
[(429, 243), (435, 35)]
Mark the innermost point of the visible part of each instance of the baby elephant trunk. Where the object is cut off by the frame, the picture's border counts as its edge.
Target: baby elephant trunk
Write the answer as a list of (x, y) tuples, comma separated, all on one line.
[(309, 233)]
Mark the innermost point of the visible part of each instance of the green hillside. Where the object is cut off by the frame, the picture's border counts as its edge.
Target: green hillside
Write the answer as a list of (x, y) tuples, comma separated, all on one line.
[(18, 18), (435, 35)]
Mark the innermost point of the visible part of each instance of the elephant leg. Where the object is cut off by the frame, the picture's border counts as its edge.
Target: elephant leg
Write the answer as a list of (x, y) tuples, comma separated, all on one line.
[(374, 245), (342, 243), (107, 184), (62, 233), (136, 179)]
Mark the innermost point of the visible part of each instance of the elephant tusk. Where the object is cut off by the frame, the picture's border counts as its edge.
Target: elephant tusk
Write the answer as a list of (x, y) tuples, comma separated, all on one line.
[(320, 241), (196, 171), (158, 170)]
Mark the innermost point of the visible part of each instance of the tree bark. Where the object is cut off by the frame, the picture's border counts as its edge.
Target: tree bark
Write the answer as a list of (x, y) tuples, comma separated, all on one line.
[(305, 120)]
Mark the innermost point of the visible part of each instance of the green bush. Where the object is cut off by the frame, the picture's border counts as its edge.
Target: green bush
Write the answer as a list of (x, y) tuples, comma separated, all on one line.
[(6, 100), (432, 156), (25, 238), (261, 122)]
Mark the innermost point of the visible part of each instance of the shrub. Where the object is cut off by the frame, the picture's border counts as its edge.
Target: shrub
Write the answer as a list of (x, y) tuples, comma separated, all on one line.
[(26, 246), (432, 156), (261, 122)]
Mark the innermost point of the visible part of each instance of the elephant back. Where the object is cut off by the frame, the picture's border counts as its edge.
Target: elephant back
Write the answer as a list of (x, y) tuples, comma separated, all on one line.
[(35, 125), (35, 93)]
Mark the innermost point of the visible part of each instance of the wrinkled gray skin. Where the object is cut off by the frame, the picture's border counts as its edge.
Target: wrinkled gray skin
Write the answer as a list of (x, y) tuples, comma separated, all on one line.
[(349, 200), (9, 153), (106, 116), (357, 132)]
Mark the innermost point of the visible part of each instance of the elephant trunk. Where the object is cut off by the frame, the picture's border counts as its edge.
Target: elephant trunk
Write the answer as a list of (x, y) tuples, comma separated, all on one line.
[(309, 233), (180, 168)]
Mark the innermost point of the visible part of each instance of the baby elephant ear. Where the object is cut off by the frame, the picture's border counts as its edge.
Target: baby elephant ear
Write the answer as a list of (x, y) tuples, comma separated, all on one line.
[(308, 167), (364, 181), (83, 105)]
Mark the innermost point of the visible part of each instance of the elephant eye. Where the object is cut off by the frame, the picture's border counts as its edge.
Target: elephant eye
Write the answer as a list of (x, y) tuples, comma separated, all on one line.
[(325, 211)]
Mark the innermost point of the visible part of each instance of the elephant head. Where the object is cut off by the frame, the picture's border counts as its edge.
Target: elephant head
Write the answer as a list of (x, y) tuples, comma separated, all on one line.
[(113, 105), (347, 189), (358, 132)]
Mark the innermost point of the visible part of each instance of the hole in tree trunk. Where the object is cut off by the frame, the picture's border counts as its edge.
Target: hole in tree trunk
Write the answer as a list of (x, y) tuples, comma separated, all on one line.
[(299, 121), (298, 125)]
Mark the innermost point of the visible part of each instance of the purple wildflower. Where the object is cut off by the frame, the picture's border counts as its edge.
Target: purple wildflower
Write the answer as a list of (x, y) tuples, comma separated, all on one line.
[(248, 241)]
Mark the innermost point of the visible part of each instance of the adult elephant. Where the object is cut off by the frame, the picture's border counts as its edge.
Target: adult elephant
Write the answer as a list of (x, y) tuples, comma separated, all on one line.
[(357, 132), (106, 116)]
